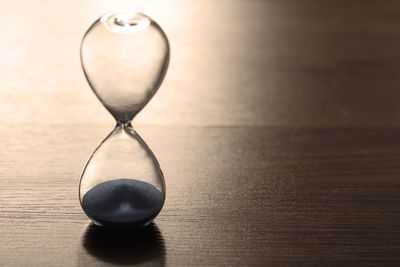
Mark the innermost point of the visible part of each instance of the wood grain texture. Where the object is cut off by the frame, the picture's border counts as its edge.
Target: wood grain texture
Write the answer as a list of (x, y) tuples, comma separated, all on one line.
[(277, 129), (248, 196)]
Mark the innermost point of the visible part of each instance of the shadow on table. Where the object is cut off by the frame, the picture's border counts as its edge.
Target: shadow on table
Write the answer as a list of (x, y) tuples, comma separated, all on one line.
[(145, 246)]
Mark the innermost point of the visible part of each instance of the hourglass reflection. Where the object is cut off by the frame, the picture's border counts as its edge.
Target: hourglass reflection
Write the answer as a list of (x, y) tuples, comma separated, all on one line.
[(124, 56)]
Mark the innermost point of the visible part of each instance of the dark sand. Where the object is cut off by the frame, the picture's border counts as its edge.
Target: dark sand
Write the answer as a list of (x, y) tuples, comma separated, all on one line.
[(123, 203)]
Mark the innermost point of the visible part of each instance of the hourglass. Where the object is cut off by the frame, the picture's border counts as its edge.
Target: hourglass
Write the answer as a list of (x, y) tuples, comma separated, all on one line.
[(124, 56)]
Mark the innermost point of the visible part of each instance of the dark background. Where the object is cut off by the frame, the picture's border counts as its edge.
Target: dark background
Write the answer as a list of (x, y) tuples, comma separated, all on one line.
[(277, 128)]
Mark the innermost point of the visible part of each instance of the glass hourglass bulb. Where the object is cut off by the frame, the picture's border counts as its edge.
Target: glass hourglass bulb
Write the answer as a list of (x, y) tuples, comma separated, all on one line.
[(124, 56)]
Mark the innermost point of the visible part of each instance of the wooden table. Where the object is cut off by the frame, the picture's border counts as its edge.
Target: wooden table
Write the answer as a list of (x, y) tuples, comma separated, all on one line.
[(277, 128)]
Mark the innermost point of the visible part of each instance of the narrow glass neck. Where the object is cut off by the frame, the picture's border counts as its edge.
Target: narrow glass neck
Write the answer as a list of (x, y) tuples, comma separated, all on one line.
[(124, 124)]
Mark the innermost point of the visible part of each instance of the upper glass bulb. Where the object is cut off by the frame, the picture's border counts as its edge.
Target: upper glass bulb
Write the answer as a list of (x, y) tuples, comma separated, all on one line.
[(124, 56)]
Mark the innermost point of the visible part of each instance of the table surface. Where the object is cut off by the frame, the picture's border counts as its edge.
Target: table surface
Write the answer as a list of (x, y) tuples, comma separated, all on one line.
[(277, 128)]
